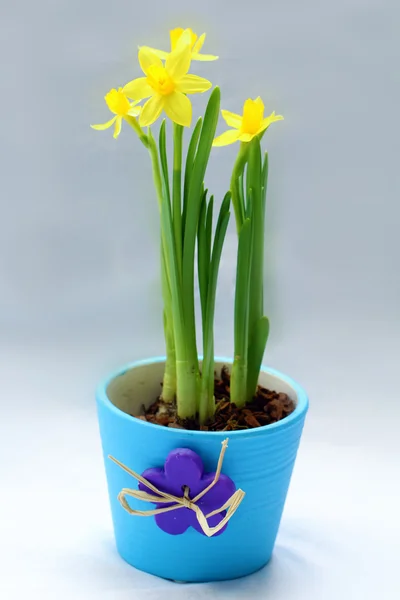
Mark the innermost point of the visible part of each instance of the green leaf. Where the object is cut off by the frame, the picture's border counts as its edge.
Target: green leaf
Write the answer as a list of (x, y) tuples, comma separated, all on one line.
[(177, 192), (189, 168), (209, 222), (203, 259), (206, 407), (226, 203), (249, 203), (194, 200), (220, 233)]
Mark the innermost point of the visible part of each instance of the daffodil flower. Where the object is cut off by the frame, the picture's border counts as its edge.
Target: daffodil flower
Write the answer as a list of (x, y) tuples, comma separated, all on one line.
[(196, 44), (247, 126), (166, 85), (118, 104)]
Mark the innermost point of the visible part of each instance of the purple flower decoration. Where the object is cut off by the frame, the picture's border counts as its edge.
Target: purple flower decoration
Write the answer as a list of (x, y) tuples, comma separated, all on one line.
[(183, 468)]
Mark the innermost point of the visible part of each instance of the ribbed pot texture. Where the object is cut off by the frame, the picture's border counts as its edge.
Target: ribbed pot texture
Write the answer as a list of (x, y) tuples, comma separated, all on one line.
[(260, 462)]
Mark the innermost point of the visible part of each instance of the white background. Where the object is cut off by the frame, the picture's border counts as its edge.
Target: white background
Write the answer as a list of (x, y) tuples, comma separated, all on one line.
[(80, 292)]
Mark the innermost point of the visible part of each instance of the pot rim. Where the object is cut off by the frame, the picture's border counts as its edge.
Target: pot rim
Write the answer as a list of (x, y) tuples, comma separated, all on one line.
[(298, 413)]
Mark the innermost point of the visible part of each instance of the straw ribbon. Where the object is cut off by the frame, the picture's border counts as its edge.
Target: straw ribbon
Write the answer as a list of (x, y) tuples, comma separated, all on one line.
[(178, 502)]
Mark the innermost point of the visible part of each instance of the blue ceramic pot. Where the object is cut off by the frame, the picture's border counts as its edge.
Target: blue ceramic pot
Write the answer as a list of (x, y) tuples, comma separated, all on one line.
[(260, 462)]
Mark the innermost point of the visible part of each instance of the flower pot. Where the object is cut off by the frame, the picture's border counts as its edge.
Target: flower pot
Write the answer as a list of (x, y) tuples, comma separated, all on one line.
[(259, 461)]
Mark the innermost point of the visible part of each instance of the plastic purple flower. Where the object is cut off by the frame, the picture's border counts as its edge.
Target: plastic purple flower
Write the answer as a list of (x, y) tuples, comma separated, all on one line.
[(183, 468)]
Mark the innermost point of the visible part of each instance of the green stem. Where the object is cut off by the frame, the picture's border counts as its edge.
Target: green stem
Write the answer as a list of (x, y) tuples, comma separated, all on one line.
[(264, 180), (241, 330), (206, 400), (236, 186), (177, 193), (155, 164), (170, 376), (169, 379), (138, 130), (186, 389), (256, 293), (257, 254), (255, 355), (164, 162), (169, 389), (259, 338)]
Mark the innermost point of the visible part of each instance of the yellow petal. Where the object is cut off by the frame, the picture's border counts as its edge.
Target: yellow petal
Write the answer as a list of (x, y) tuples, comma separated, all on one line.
[(159, 53), (259, 102), (196, 50), (178, 62), (117, 102), (134, 111), (199, 44), (174, 36), (138, 89), (253, 113), (232, 119), (204, 57), (193, 84), (117, 128), (103, 126), (186, 38), (246, 137), (229, 137), (151, 110), (178, 108), (147, 58), (268, 120)]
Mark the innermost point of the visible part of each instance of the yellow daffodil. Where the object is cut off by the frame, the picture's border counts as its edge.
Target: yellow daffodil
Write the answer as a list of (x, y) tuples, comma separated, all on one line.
[(119, 104), (166, 85), (247, 126), (196, 44)]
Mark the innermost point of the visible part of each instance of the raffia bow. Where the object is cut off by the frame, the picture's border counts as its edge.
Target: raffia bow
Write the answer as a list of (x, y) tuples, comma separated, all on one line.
[(180, 502)]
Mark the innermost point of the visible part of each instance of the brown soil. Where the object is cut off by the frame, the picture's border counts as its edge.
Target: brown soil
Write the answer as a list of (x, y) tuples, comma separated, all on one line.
[(266, 407)]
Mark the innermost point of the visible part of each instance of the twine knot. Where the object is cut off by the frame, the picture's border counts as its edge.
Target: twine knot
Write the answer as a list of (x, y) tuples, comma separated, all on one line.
[(186, 501)]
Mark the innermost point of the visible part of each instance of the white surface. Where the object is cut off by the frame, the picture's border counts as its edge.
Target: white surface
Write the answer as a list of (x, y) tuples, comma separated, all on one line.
[(339, 536)]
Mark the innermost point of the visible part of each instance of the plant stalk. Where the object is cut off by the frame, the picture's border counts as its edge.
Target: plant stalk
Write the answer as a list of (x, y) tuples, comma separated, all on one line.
[(169, 389), (241, 316), (236, 186)]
